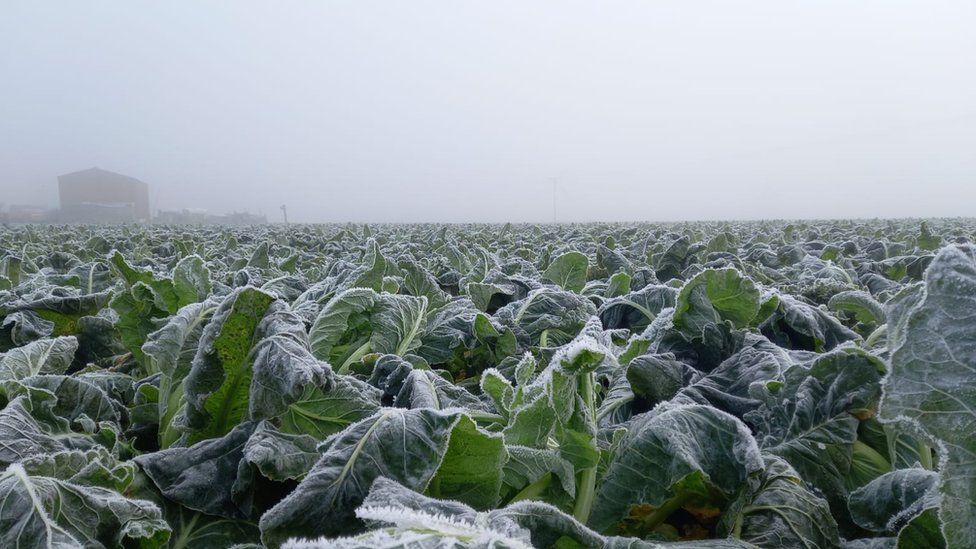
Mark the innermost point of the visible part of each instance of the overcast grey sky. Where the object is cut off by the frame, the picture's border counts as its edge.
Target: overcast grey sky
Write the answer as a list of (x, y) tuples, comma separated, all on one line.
[(464, 111)]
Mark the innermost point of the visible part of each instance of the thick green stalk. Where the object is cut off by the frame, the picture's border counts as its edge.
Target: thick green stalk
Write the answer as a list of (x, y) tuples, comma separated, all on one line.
[(737, 528), (434, 490), (354, 357), (534, 490), (485, 417), (925, 455), (585, 494), (877, 334), (586, 488), (663, 512)]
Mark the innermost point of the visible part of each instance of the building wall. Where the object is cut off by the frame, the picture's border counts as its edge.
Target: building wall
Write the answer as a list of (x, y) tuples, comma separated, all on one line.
[(78, 191)]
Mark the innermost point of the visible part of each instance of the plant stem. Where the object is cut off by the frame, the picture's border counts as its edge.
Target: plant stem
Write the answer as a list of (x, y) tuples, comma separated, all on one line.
[(354, 357), (663, 512), (584, 495), (925, 455), (533, 490), (737, 529), (587, 479), (874, 336), (486, 417), (434, 490)]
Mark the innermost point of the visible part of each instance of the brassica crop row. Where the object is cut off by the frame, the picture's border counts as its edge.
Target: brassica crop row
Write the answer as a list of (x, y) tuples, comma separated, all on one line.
[(738, 384)]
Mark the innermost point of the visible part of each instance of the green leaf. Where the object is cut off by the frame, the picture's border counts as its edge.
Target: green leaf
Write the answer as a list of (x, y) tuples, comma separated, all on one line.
[(23, 327), (728, 386), (715, 296), (568, 271), (404, 445), (618, 285), (359, 321), (932, 382), (559, 313), (64, 312), (419, 282), (93, 467), (471, 470), (219, 382), (30, 424), (498, 389), (925, 530), (675, 454), (810, 418), (371, 269), (890, 501), (163, 292), (797, 325), (532, 423), (24, 436), (427, 389), (41, 511), (658, 378), (527, 465), (259, 257), (45, 356), (194, 530), (138, 315), (781, 512), (170, 351), (253, 362), (320, 413), (280, 456), (926, 240), (82, 405), (223, 476), (202, 477), (860, 304), (191, 280)]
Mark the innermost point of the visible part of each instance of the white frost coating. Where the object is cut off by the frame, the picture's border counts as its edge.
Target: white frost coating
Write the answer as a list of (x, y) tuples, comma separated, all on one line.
[(665, 445), (592, 338), (572, 350), (410, 518), (931, 384), (417, 529), (491, 372), (379, 539), (662, 324)]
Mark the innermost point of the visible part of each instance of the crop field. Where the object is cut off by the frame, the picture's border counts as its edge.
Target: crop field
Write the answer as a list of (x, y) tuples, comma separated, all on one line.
[(724, 384)]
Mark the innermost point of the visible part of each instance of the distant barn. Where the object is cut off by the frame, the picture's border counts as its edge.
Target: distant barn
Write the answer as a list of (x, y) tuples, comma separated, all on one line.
[(101, 196)]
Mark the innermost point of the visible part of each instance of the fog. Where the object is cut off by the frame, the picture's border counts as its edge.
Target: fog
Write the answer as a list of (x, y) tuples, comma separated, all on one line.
[(487, 111)]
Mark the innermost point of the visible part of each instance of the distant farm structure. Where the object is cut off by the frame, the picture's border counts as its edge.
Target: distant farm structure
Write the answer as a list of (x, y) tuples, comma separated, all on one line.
[(203, 217), (103, 197), (100, 196)]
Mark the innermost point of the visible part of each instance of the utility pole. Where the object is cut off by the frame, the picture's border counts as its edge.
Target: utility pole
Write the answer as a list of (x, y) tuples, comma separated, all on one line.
[(555, 180), (284, 213)]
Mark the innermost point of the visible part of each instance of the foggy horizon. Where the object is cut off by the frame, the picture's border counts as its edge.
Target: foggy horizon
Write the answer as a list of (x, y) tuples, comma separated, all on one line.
[(466, 112)]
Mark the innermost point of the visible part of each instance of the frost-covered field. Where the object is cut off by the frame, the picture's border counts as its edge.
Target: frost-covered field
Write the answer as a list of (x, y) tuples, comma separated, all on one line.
[(806, 384)]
